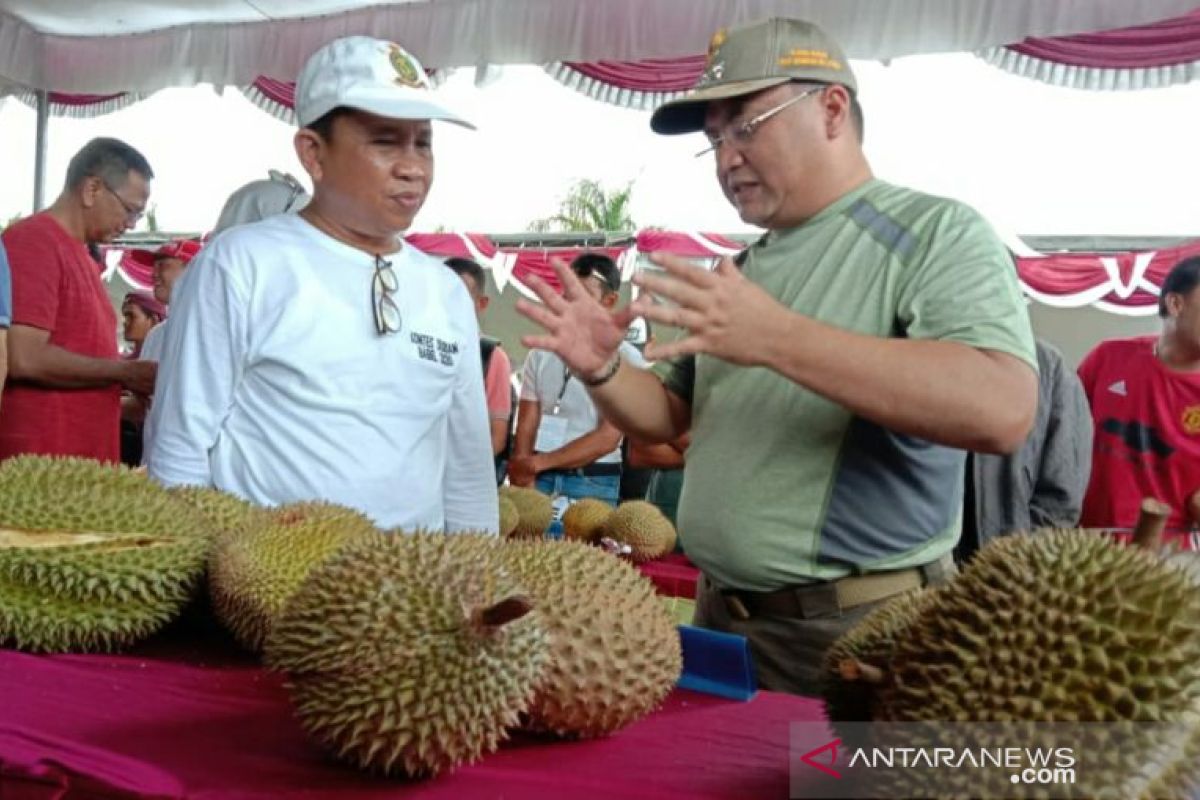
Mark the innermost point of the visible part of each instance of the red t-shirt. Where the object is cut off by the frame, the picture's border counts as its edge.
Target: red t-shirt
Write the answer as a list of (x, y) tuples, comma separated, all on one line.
[(56, 286), (1146, 421)]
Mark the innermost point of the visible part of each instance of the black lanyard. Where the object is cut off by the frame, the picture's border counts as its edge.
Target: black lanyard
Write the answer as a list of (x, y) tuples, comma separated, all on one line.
[(562, 391)]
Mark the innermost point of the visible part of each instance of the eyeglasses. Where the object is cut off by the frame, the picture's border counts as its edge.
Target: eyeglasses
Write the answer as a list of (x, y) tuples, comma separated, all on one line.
[(295, 189), (383, 286), (586, 271), (294, 194), (739, 134), (132, 213), (601, 282)]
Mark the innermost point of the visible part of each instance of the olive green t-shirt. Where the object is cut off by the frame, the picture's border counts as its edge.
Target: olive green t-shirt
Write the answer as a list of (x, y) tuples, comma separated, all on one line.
[(783, 486)]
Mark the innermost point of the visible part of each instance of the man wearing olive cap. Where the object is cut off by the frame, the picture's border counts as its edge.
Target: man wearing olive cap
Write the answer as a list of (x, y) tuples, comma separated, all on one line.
[(831, 379)]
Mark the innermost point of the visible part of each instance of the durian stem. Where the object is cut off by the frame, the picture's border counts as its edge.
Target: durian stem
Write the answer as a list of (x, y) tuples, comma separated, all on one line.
[(853, 670), (1151, 521), (504, 612)]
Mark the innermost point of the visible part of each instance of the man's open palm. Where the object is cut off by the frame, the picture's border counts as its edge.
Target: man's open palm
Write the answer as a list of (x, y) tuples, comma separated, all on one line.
[(582, 332)]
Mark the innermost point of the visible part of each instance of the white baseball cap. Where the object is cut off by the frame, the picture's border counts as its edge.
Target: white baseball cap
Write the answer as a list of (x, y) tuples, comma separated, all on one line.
[(371, 75)]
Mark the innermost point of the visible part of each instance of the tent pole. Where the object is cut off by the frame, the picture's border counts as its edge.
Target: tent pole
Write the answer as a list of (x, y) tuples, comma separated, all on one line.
[(39, 156)]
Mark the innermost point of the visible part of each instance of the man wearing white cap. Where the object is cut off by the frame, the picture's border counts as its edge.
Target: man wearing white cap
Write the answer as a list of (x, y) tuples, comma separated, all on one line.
[(316, 355)]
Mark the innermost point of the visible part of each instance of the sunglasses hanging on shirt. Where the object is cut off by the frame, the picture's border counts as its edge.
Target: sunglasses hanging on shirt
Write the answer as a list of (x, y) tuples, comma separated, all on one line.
[(383, 287)]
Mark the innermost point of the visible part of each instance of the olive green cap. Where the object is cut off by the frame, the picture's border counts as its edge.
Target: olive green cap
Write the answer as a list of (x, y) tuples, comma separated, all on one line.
[(749, 59)]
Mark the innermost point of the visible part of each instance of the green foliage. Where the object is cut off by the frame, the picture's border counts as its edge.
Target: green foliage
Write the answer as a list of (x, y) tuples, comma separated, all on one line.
[(589, 207)]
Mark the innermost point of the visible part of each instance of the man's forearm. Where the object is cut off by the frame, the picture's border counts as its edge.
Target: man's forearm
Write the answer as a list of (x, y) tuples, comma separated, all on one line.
[(499, 434), (654, 456), (52, 366), (529, 417), (637, 403), (946, 392), (582, 451)]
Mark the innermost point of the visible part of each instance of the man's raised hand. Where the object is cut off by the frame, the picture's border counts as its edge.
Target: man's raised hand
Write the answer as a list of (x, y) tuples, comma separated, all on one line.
[(582, 332), (723, 313)]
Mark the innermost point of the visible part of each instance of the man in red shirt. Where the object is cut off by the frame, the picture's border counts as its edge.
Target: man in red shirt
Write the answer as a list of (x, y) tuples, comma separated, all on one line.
[(65, 372), (1145, 398)]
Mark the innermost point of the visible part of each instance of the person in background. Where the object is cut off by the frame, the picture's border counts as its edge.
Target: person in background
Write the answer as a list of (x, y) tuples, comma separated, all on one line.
[(833, 382), (65, 373), (1042, 484), (167, 265), (316, 355), (140, 311), (562, 445), (497, 368), (1145, 399), (665, 462), (278, 193), (643, 464)]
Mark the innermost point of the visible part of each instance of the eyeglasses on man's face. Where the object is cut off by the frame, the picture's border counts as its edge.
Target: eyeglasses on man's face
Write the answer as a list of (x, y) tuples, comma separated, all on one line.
[(383, 287), (132, 213), (739, 134)]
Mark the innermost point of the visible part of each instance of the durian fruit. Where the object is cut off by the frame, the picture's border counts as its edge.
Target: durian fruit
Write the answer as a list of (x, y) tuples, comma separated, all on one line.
[(584, 519), (535, 511), (508, 517), (1058, 626), (1181, 779), (615, 647), (410, 653), (856, 659), (93, 557), (225, 512), (252, 575), (643, 527)]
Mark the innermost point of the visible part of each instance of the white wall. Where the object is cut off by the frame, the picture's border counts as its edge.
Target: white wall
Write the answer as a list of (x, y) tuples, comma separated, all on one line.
[(1075, 331)]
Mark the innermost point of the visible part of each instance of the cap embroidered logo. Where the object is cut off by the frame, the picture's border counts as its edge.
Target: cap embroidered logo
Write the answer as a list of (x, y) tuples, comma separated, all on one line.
[(715, 43), (407, 72), (715, 67)]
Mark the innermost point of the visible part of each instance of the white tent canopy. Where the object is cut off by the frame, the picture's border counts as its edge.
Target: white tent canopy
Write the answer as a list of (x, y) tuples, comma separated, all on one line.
[(140, 46)]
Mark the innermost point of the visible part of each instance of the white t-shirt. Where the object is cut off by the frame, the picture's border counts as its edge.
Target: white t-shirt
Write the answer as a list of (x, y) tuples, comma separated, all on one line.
[(152, 344), (545, 376), (275, 385), (151, 351)]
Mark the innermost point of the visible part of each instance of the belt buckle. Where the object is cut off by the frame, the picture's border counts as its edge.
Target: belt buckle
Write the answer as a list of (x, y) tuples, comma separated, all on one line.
[(818, 600)]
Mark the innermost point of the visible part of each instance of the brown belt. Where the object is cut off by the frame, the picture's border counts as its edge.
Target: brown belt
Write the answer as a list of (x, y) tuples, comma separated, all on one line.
[(829, 598)]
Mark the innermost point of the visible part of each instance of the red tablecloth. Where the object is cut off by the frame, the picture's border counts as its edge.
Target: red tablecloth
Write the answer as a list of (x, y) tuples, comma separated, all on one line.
[(186, 715), (673, 575)]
